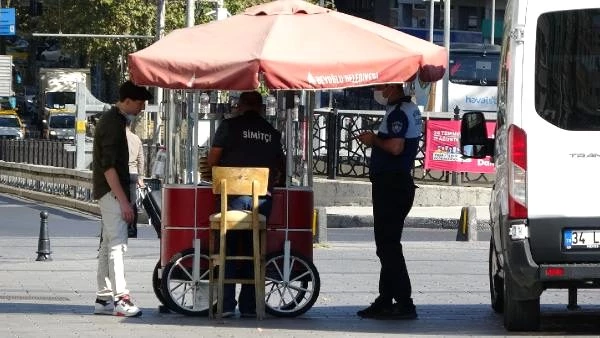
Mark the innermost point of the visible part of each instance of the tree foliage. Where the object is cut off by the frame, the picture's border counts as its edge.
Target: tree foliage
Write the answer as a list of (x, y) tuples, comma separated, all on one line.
[(116, 17), (108, 17)]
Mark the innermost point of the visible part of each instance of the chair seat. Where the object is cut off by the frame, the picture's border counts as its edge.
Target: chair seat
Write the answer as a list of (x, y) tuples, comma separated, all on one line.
[(237, 216)]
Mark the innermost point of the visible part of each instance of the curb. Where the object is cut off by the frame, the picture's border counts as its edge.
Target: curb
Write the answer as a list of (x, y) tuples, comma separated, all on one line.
[(354, 221)]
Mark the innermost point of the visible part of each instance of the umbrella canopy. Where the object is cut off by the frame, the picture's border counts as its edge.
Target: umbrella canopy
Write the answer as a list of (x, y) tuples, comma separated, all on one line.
[(292, 44)]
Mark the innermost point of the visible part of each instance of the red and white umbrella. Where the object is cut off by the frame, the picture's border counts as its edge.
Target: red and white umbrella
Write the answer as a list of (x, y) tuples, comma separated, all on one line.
[(291, 44)]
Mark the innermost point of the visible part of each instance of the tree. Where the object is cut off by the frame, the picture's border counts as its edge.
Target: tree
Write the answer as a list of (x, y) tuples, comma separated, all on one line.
[(112, 17), (117, 17)]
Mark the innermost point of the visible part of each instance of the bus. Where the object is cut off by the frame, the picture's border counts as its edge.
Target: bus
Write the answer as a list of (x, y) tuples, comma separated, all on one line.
[(473, 80)]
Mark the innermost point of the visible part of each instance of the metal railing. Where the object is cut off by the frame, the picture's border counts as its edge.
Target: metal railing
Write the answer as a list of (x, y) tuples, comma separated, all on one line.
[(338, 154), (336, 151), (53, 153), (35, 151)]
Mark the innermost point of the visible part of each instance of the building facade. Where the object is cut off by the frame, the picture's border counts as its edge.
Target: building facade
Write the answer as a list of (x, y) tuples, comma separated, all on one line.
[(470, 20)]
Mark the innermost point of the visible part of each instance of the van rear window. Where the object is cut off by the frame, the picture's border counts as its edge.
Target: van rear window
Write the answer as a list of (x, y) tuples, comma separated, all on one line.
[(567, 70)]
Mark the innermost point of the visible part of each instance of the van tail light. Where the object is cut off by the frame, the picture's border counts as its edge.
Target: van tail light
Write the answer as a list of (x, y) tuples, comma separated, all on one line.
[(517, 173), (555, 272)]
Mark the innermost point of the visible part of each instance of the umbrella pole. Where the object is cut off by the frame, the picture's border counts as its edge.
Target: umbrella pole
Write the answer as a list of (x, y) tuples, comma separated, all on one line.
[(431, 97)]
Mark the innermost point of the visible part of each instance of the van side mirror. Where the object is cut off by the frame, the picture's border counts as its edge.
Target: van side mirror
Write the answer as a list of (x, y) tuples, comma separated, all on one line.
[(474, 141)]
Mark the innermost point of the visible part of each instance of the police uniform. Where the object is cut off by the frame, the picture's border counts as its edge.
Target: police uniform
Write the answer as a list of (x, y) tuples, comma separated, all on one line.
[(247, 140), (393, 193)]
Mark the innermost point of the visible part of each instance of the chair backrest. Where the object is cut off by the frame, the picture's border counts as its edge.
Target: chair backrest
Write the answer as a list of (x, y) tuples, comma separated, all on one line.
[(239, 180)]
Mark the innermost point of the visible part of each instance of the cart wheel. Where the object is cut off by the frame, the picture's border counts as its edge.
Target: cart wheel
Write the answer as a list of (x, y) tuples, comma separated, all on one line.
[(156, 281), (295, 296), (181, 293)]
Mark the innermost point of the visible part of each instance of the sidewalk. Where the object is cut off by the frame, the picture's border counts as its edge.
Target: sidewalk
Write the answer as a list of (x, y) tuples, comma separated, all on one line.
[(55, 299)]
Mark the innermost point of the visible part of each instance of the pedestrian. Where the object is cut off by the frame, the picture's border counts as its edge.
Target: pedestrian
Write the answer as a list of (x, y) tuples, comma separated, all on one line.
[(246, 140), (136, 173), (110, 180), (394, 148)]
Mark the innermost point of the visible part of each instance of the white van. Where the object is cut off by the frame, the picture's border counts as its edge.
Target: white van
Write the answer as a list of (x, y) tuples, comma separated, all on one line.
[(545, 204)]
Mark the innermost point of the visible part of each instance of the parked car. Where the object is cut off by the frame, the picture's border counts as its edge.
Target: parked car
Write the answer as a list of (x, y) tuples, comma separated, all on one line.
[(11, 126), (54, 54), (61, 126), (20, 45)]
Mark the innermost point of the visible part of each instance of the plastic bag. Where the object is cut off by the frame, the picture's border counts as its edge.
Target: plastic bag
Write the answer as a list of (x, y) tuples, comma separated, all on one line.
[(158, 165)]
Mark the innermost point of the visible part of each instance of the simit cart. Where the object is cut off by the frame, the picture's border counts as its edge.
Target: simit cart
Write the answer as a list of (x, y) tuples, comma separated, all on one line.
[(180, 277)]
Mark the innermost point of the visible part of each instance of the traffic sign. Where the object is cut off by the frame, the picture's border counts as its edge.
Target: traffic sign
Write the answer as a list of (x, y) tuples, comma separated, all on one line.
[(7, 21)]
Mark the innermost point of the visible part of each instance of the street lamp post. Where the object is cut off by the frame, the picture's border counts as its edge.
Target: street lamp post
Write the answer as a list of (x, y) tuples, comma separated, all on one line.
[(160, 32), (447, 45), (492, 36), (431, 18)]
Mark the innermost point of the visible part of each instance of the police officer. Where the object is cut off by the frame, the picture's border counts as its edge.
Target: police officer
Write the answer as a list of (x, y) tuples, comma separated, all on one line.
[(247, 140), (394, 149)]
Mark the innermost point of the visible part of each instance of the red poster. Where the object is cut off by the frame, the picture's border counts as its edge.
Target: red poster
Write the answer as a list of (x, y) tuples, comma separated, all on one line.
[(442, 148)]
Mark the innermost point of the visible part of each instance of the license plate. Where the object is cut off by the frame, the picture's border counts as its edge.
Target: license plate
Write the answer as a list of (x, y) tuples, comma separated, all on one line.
[(581, 239)]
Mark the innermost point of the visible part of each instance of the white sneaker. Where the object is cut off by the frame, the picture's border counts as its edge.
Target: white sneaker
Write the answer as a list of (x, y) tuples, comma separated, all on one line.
[(103, 307), (125, 308)]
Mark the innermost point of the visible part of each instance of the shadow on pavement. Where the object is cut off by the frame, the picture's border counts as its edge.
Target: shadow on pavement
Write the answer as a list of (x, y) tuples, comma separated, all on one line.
[(434, 319)]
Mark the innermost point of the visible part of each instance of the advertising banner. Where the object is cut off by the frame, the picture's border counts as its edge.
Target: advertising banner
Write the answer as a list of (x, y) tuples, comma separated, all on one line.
[(442, 148)]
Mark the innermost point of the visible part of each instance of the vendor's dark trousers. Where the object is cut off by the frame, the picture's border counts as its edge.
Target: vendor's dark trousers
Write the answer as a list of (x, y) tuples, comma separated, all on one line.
[(240, 243), (393, 195)]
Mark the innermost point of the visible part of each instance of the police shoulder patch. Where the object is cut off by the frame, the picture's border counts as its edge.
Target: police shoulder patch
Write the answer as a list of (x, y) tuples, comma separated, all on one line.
[(396, 126)]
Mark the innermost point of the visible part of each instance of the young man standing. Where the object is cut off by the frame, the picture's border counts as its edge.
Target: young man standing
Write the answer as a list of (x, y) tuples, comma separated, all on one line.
[(394, 149), (111, 189)]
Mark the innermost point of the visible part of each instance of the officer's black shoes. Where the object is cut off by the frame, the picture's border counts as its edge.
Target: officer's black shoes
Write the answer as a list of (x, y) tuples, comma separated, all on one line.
[(400, 311), (378, 308), (382, 309)]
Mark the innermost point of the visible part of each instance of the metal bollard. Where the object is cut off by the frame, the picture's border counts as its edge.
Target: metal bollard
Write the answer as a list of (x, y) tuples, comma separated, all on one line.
[(44, 242), (467, 225), (320, 226)]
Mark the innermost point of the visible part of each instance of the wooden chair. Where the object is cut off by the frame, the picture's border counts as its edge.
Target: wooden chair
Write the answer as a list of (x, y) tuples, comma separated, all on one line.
[(238, 181)]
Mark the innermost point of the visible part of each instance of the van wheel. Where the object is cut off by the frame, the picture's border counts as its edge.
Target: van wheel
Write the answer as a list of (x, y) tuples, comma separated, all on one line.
[(519, 315), (496, 282)]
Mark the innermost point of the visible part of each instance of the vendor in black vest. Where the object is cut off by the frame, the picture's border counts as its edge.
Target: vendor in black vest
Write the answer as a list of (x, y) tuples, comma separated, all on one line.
[(247, 140)]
